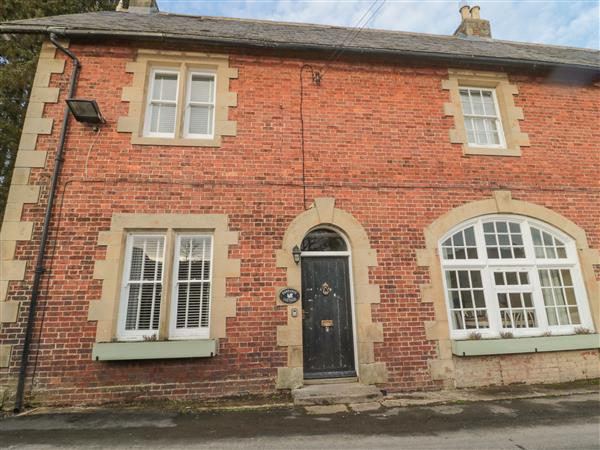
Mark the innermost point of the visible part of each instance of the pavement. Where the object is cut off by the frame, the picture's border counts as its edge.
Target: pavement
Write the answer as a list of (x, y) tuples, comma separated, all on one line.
[(560, 419)]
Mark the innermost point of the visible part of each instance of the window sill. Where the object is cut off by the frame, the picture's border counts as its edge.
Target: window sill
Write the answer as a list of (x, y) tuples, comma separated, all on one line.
[(491, 151), (525, 345), (177, 141), (124, 351)]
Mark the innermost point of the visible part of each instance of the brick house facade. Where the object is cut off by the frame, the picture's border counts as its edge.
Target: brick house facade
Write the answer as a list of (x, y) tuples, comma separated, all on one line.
[(377, 150)]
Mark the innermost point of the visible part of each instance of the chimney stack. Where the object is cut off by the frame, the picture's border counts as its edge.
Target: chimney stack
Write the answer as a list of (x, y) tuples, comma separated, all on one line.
[(138, 6), (472, 25)]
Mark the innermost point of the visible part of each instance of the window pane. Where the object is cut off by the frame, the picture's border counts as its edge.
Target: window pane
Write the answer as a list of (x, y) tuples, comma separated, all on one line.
[(547, 246), (455, 296), (479, 299), (162, 118), (464, 100), (463, 279), (476, 279), (477, 102), (165, 87), (132, 307), (201, 120), (190, 305), (149, 304), (499, 278), (537, 238), (323, 240), (488, 103), (495, 139), (451, 279), (575, 320), (202, 89)]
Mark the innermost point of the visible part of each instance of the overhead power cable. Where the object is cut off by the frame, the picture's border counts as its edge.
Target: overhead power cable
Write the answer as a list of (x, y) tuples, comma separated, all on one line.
[(366, 18)]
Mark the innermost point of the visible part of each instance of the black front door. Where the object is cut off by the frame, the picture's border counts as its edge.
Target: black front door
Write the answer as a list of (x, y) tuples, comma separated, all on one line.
[(327, 317)]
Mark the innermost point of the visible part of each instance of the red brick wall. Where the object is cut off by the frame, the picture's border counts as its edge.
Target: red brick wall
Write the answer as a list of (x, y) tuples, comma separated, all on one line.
[(376, 139)]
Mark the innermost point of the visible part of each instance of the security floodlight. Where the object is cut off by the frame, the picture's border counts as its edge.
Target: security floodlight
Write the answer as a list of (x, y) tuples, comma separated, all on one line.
[(85, 111)]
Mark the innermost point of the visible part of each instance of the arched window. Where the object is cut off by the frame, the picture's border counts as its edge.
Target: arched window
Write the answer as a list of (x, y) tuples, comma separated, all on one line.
[(511, 274), (323, 240)]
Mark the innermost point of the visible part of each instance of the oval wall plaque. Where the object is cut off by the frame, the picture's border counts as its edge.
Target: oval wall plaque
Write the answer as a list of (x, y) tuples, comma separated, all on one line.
[(289, 295)]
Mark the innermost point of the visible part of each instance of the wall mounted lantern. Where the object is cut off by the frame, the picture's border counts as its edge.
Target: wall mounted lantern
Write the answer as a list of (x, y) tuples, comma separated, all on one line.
[(85, 111), (296, 254)]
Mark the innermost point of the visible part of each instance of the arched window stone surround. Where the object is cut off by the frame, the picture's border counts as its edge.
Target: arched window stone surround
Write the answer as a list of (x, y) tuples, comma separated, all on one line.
[(324, 212), (501, 202)]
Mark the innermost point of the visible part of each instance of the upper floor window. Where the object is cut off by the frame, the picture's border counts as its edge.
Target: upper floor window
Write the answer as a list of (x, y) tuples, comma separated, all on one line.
[(482, 117), (486, 119), (165, 116), (512, 274)]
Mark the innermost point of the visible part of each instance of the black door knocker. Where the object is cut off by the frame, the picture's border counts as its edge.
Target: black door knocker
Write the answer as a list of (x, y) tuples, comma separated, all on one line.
[(325, 289)]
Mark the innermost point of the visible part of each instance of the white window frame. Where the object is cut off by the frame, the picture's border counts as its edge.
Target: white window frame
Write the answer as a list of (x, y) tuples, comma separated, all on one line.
[(530, 264), (137, 335), (189, 103), (498, 118), (150, 102), (187, 333)]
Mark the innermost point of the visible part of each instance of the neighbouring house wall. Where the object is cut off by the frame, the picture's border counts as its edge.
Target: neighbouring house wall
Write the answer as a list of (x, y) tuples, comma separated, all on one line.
[(552, 367), (376, 139)]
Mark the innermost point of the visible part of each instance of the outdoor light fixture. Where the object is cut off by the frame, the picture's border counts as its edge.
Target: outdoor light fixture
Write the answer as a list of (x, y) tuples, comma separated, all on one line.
[(296, 253), (85, 111)]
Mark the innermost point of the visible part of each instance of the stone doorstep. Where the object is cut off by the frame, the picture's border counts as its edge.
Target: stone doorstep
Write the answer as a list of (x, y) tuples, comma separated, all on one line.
[(335, 394)]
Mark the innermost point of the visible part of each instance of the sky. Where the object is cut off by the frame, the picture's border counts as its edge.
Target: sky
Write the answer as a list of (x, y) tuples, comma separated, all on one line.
[(557, 22)]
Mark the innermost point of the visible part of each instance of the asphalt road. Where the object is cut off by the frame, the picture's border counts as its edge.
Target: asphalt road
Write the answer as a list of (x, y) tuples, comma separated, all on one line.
[(571, 422)]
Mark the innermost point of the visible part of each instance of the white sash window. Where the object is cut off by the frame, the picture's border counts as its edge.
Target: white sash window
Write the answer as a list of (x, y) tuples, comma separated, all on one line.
[(162, 103), (192, 273), (200, 110), (482, 117), (142, 288)]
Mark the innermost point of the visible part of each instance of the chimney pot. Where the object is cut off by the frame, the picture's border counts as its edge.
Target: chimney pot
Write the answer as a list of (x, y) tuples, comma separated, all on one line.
[(465, 12), (475, 12)]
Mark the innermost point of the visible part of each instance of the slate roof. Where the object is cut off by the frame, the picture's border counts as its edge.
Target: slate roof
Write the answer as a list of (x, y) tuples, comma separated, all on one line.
[(259, 33)]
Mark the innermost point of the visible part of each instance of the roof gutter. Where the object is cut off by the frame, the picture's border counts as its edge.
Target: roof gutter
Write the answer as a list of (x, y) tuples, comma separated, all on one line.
[(155, 36)]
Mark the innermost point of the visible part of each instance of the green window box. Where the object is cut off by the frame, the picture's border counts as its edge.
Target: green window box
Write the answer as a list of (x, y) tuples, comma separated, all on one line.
[(123, 351), (483, 347)]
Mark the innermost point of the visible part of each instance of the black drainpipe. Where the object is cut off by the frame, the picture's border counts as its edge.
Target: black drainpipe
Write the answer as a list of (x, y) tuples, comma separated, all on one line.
[(39, 266)]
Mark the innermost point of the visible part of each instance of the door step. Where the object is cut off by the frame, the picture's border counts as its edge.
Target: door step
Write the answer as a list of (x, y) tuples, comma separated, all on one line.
[(330, 380), (335, 394)]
